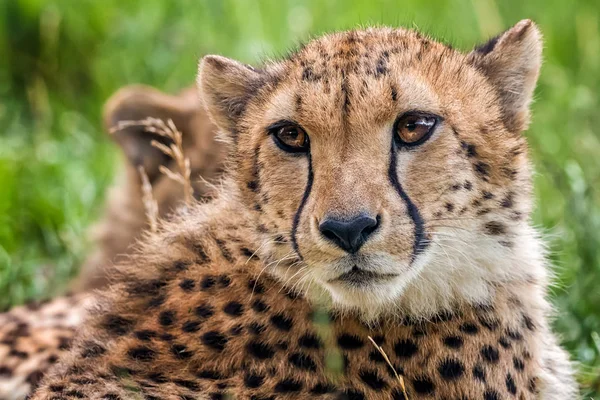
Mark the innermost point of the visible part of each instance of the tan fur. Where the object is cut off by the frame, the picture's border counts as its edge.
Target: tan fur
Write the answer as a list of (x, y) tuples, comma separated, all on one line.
[(226, 298)]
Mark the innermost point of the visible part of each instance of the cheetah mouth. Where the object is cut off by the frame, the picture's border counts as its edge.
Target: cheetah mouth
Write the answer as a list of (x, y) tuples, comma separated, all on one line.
[(361, 277)]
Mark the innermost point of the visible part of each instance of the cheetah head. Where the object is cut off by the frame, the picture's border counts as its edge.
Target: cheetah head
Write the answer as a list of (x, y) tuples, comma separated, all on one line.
[(383, 167)]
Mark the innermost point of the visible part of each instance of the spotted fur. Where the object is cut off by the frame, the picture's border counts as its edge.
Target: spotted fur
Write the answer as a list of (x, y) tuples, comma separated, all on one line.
[(243, 297)]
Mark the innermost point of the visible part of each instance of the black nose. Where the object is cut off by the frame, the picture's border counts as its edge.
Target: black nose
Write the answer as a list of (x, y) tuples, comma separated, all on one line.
[(349, 234)]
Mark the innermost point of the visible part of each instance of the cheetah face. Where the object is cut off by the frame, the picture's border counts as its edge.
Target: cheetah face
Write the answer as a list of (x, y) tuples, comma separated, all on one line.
[(378, 161)]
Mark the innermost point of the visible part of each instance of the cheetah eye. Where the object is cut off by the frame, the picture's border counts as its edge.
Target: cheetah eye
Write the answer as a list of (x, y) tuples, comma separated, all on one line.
[(414, 128), (289, 137)]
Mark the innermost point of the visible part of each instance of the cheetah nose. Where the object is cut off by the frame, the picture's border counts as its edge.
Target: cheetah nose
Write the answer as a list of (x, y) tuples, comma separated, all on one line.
[(349, 234)]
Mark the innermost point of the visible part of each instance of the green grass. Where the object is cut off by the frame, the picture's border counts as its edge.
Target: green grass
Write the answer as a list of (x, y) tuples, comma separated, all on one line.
[(60, 61)]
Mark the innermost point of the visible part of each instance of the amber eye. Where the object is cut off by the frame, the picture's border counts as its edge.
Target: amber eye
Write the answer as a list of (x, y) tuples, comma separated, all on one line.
[(289, 137), (414, 128)]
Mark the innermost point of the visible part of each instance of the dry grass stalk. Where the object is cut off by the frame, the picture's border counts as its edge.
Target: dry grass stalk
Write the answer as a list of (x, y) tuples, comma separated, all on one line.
[(149, 201), (174, 150), (387, 360)]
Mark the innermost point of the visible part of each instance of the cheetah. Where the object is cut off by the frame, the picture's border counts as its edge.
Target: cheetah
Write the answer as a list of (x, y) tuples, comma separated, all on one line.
[(379, 189), (124, 216), (32, 337)]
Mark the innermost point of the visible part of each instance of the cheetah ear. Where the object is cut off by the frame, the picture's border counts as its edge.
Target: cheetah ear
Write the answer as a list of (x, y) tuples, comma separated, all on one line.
[(226, 86), (512, 61)]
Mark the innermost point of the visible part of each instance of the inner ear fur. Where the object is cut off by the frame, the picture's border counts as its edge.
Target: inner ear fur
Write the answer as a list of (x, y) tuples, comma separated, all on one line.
[(511, 61), (225, 87), (136, 103)]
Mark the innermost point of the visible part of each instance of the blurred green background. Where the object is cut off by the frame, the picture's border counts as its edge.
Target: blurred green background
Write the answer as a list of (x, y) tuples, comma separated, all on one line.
[(61, 59)]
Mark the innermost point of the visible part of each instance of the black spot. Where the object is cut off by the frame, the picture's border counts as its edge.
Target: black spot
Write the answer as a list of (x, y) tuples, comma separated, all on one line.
[(207, 282), (18, 354), (209, 374), (166, 318), (214, 339), (379, 339), (469, 148), (504, 342), (181, 265), (92, 350), (479, 373), (260, 350), (495, 228), (191, 326), (532, 385), (350, 342), (167, 337), (247, 252), (282, 322), (234, 309), (482, 169), (255, 286), (224, 250), (204, 311), (510, 384), (468, 185), (253, 381), (201, 253), (310, 341), (181, 352), (491, 394), (256, 328), (147, 288), (376, 356), (528, 322), (158, 377), (469, 328), (322, 388), (141, 353), (34, 378), (191, 385), (157, 301), (56, 388), (252, 185), (423, 385), (117, 325), (518, 363), (405, 348), (451, 369), (372, 379), (5, 371), (352, 394), (187, 284), (454, 342), (145, 335), (236, 330), (288, 385), (489, 323), (515, 335), (259, 306), (302, 361), (75, 393), (487, 195), (490, 354), (224, 281), (507, 202), (449, 207)]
